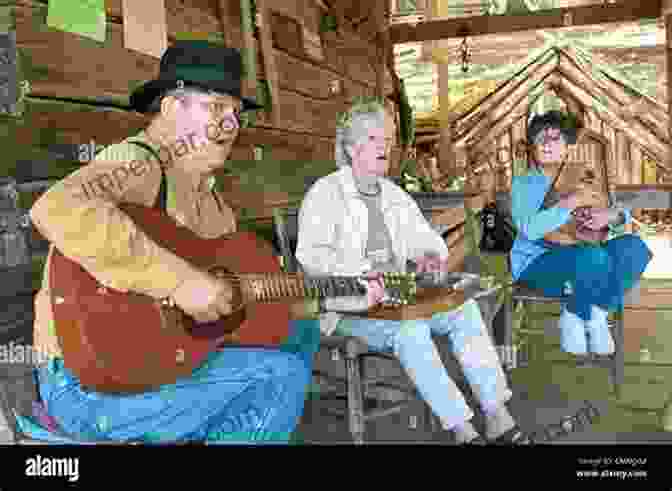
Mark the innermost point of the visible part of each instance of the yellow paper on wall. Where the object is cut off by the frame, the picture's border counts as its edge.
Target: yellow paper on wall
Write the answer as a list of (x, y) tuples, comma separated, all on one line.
[(145, 28)]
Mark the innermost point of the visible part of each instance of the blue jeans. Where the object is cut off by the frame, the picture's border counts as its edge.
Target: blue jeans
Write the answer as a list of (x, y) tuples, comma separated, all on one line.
[(598, 275), (238, 395), (411, 342)]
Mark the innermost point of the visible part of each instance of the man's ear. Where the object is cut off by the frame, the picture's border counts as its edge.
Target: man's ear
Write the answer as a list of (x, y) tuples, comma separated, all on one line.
[(169, 106), (352, 150)]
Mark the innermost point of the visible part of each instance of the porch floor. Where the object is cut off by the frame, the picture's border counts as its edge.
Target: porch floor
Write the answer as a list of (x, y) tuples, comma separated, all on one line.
[(552, 386)]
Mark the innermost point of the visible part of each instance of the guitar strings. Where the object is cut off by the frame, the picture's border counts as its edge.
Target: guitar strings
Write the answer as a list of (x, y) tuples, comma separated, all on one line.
[(283, 276)]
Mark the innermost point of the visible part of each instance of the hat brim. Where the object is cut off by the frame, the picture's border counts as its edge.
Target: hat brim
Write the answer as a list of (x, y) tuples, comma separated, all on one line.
[(143, 96)]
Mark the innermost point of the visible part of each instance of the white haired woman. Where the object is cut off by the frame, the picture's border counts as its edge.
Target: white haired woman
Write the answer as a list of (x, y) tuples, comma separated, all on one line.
[(356, 222)]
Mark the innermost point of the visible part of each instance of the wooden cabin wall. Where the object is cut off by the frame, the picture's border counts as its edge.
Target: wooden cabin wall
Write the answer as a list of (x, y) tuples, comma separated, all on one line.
[(95, 80)]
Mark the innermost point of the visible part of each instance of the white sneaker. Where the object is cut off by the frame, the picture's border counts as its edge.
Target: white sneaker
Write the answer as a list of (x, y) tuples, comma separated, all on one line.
[(600, 340), (572, 333)]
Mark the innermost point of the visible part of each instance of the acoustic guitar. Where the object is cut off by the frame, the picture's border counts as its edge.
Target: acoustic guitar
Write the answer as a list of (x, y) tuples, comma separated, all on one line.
[(126, 342)]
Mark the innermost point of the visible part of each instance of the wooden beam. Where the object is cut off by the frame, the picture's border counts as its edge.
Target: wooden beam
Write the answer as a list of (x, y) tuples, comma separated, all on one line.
[(321, 5), (626, 11), (249, 83), (668, 65), (225, 13), (381, 46), (446, 160), (427, 46), (270, 67), (145, 27)]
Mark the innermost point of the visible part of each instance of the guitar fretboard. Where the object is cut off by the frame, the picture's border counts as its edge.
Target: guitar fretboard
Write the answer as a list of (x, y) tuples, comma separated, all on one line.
[(276, 286)]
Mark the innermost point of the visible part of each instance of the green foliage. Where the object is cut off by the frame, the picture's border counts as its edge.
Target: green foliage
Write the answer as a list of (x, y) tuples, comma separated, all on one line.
[(411, 181), (406, 118), (264, 97), (408, 6), (328, 23)]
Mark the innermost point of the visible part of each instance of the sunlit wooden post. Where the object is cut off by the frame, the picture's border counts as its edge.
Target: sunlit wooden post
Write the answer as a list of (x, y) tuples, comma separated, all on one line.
[(446, 161), (667, 15)]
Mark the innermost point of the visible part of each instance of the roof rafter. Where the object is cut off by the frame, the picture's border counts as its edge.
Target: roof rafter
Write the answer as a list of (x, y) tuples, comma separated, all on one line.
[(624, 11)]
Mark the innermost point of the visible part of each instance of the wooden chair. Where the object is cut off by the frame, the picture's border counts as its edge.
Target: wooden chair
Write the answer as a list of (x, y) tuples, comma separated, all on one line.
[(524, 296), (357, 387)]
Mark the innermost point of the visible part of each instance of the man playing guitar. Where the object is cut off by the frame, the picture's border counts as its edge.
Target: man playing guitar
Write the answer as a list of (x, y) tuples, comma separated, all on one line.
[(239, 395)]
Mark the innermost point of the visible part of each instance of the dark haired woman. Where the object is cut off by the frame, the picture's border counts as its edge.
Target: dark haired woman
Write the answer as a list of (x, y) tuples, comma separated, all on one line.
[(595, 278)]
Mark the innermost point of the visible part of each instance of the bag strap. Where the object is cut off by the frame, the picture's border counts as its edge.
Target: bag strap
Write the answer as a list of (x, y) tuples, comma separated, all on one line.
[(543, 203), (162, 198)]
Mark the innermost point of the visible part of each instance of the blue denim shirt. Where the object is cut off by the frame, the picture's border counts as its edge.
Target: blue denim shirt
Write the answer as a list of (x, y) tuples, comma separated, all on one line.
[(527, 195)]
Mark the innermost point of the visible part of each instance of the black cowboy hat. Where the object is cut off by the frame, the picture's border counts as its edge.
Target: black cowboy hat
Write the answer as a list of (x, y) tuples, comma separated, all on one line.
[(200, 64)]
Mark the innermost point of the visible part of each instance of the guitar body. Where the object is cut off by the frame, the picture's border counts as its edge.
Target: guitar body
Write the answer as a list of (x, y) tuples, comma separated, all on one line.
[(118, 342)]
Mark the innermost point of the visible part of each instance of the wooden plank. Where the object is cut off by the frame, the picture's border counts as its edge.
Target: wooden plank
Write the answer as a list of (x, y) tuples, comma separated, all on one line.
[(225, 15), (645, 196), (9, 74), (353, 56), (304, 114), (457, 250), (145, 28), (50, 127), (270, 67), (447, 163), (668, 66), (60, 64), (638, 326), (546, 19), (195, 17)]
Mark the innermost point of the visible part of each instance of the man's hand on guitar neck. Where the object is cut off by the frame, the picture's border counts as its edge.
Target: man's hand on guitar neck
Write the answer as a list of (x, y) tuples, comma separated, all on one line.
[(204, 297), (375, 288), (430, 263)]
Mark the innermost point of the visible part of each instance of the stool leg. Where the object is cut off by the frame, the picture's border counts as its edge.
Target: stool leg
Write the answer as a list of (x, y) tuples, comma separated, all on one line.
[(503, 333), (618, 361), (431, 419), (355, 398)]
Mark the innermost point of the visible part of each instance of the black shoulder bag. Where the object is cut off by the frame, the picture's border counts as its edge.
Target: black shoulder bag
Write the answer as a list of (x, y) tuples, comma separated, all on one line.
[(498, 233)]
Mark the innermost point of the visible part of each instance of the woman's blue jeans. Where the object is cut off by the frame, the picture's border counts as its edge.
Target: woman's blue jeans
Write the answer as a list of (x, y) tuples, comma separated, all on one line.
[(597, 275)]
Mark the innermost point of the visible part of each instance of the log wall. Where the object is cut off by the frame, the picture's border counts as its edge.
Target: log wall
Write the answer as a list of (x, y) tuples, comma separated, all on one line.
[(95, 80)]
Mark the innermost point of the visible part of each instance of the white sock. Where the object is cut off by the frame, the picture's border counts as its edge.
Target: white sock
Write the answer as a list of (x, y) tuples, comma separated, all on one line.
[(465, 432), (498, 422), (598, 315), (598, 332), (572, 333)]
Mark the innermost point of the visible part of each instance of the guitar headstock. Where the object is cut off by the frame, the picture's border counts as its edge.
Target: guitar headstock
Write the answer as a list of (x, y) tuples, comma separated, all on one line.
[(400, 288)]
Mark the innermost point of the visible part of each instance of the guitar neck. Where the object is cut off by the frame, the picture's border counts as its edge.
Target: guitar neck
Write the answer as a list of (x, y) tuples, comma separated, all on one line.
[(273, 287)]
